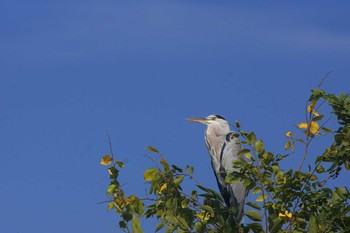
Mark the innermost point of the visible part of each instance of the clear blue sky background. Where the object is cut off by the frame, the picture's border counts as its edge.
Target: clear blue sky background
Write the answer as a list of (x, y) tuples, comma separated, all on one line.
[(71, 70)]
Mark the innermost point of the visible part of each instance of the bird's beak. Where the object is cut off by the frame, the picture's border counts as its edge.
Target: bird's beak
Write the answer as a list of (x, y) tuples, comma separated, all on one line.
[(200, 120)]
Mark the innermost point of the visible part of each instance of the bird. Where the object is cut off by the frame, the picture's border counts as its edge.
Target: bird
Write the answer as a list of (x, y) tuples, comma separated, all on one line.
[(223, 147)]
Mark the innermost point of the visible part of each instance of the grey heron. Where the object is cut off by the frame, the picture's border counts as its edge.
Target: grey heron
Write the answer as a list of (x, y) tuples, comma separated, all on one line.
[(223, 149)]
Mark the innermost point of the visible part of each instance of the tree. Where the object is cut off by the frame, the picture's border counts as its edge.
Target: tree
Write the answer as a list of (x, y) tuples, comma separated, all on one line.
[(294, 200)]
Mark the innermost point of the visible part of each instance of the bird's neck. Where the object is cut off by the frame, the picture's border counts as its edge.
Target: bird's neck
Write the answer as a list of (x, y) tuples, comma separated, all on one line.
[(218, 131), (215, 139)]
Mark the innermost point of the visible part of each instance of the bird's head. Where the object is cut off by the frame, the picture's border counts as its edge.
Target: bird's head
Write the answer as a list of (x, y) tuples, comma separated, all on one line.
[(216, 121)]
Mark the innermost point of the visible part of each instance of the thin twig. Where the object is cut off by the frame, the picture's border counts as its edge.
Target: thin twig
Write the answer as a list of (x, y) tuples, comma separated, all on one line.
[(101, 202), (324, 78), (153, 161), (308, 138), (308, 141), (110, 145), (310, 175)]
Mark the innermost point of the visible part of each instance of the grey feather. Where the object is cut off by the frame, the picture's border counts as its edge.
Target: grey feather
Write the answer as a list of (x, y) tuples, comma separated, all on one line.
[(223, 150), (237, 191)]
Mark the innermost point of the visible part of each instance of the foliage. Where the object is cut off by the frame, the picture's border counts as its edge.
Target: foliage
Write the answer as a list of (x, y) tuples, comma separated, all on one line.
[(294, 200)]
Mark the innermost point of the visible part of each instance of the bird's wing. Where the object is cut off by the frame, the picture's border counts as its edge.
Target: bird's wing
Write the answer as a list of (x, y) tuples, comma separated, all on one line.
[(240, 191), (235, 193), (229, 154), (214, 149)]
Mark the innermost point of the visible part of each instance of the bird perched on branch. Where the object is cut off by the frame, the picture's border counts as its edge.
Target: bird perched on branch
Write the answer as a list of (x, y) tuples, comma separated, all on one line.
[(223, 148)]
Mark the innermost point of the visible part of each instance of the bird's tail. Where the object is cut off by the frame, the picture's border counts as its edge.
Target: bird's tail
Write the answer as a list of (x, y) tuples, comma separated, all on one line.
[(240, 208)]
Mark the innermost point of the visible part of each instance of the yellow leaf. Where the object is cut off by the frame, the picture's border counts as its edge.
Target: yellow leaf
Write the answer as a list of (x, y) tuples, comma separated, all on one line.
[(288, 134), (152, 149), (261, 198), (257, 190), (203, 216), (162, 188), (285, 214), (311, 106), (130, 199), (315, 113), (314, 127), (110, 172), (302, 125), (248, 155), (110, 205), (150, 174), (106, 160), (310, 109), (287, 145)]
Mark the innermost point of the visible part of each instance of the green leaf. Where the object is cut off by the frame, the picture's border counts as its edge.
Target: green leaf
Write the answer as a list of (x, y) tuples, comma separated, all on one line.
[(253, 215), (317, 118), (171, 204), (120, 164), (203, 188), (181, 231), (320, 169), (238, 125), (189, 169), (207, 208), (255, 227), (184, 203), (160, 226), (139, 207), (150, 174), (179, 179), (302, 222), (238, 164), (113, 172), (232, 177), (194, 194), (176, 168), (152, 149), (243, 151), (216, 195), (122, 224), (327, 130), (259, 146), (313, 227), (256, 190), (136, 225), (127, 216), (254, 205), (342, 192), (170, 229), (251, 138), (111, 188), (165, 164), (276, 225), (211, 193), (170, 218)]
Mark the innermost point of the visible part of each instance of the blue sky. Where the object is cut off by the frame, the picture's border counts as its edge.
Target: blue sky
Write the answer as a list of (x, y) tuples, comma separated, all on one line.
[(73, 70)]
